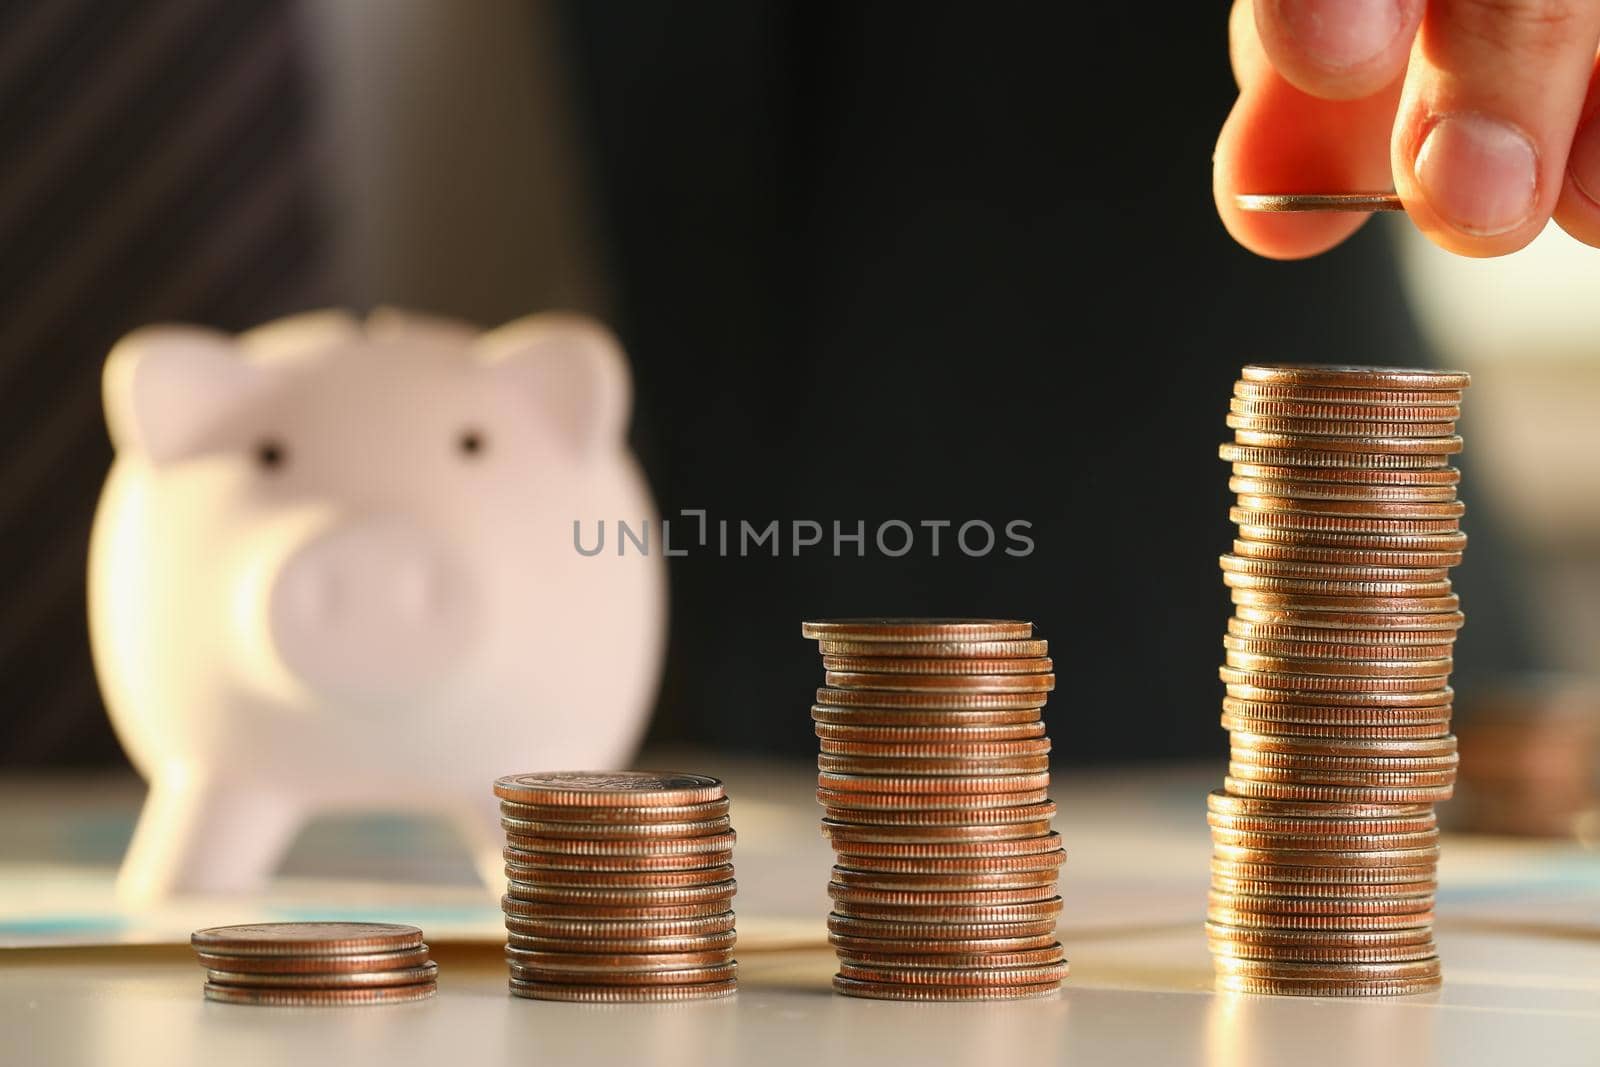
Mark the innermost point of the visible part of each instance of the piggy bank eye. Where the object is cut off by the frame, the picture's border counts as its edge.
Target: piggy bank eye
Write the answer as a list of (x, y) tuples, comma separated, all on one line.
[(271, 455), (471, 443)]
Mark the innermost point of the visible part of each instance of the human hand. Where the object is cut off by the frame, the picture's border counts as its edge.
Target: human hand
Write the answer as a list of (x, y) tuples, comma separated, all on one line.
[(1484, 115)]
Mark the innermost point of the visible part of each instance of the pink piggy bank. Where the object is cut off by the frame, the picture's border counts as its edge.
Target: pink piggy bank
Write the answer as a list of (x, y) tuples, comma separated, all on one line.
[(335, 566)]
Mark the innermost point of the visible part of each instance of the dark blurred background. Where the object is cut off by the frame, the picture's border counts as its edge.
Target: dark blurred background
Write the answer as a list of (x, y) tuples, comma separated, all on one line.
[(871, 261)]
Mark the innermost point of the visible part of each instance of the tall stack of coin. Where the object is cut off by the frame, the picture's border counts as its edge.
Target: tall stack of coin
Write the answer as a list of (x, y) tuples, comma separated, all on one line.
[(621, 886), (1338, 656), (310, 963), (934, 772)]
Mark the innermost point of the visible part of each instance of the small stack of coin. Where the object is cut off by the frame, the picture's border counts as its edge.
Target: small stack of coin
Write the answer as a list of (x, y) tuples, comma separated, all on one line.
[(934, 772), (315, 963), (621, 886), (1337, 661)]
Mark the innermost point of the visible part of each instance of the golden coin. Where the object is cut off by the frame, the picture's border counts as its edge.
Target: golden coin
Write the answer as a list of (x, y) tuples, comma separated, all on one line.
[(1411, 937), (1342, 491), (1285, 534), (961, 683), (902, 718), (908, 665), (1325, 906), (943, 883), (1325, 890), (1368, 668), (1343, 412), (928, 649), (1323, 394), (1433, 747), (930, 735), (1263, 757), (1233, 917), (402, 976), (1364, 203), (575, 930), (581, 962), (964, 977), (1322, 731), (1321, 587), (1330, 683), (1275, 710), (1231, 805), (1336, 650), (1325, 698), (939, 931), (667, 861), (927, 832), (609, 831), (1281, 988), (951, 850), (1303, 607), (1345, 475), (621, 994), (849, 896), (1252, 771), (1339, 572), (1279, 456), (315, 963), (952, 914), (926, 703), (306, 938), (903, 630), (1356, 376), (284, 998), (650, 846), (1364, 527), (1343, 858), (978, 750), (535, 892), (863, 801), (608, 788), (649, 979), (1022, 813), (1310, 553), (1299, 428), (529, 909), (1335, 972), (1283, 871), (1304, 954), (851, 987), (920, 959), (1356, 509), (1378, 627), (943, 785), (927, 766), (1042, 861), (620, 879), (1296, 840), (639, 945), (1004, 948), (585, 816)]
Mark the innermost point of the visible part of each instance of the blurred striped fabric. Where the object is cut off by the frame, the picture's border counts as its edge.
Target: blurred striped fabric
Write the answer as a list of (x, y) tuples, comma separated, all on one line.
[(157, 165)]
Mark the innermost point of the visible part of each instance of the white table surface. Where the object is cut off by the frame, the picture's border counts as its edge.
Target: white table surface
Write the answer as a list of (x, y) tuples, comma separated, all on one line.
[(1519, 932)]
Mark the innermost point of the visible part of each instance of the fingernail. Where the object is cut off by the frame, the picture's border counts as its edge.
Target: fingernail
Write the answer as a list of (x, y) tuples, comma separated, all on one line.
[(1584, 162), (1341, 33), (1478, 174)]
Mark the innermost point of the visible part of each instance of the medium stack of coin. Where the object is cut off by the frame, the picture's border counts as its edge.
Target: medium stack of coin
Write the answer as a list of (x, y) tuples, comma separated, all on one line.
[(1337, 660), (934, 772), (621, 886), (312, 963)]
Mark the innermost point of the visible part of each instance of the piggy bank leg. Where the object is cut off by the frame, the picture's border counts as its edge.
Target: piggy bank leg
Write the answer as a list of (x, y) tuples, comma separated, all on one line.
[(204, 838), (478, 822)]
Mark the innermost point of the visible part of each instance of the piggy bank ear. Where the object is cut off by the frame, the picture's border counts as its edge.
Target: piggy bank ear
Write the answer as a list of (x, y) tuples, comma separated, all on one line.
[(573, 369), (169, 390)]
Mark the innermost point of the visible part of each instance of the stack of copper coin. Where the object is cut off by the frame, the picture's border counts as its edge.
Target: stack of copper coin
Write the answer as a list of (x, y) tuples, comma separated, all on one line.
[(1338, 655), (934, 772), (315, 963), (621, 886)]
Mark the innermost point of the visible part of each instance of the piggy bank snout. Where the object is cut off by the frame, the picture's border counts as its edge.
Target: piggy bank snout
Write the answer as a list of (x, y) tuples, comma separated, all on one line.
[(369, 609)]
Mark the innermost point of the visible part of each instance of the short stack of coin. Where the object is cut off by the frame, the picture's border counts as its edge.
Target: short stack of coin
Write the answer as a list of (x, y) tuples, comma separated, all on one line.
[(621, 886), (934, 773), (1337, 661), (315, 963)]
